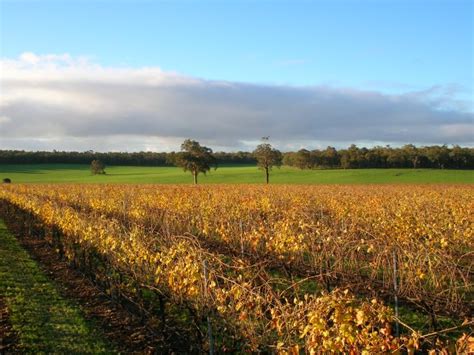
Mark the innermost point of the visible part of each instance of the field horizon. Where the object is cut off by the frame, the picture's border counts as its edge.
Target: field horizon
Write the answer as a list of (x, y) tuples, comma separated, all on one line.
[(229, 174)]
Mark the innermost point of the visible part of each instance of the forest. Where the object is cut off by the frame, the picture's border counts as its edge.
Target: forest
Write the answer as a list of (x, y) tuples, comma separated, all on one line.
[(353, 157)]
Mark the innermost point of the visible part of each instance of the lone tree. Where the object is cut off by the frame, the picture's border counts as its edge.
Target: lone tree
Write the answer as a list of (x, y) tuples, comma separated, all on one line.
[(97, 167), (7, 181), (195, 158), (267, 157)]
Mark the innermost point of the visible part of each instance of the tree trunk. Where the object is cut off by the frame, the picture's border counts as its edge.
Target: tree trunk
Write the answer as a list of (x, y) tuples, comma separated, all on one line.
[(267, 175), (195, 177)]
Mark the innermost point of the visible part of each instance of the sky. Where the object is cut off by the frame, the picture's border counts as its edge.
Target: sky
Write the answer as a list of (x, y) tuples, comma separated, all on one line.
[(145, 75)]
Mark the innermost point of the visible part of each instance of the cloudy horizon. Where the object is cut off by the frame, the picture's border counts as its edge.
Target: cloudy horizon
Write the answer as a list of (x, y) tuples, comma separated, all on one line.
[(57, 101), (145, 75)]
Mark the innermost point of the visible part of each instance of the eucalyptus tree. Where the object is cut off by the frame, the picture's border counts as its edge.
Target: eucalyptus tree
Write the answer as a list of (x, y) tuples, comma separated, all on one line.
[(267, 157), (195, 158)]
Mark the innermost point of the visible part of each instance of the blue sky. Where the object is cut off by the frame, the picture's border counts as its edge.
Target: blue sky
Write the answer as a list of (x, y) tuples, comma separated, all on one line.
[(391, 47), (375, 43)]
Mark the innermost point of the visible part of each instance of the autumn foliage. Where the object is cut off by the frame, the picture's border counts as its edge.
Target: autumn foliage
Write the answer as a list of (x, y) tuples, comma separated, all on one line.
[(273, 268)]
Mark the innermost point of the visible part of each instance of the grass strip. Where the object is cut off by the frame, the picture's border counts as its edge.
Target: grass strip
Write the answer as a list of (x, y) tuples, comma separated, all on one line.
[(44, 321)]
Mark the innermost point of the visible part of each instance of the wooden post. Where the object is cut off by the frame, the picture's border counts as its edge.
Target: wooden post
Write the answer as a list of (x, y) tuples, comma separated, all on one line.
[(241, 239), (209, 325), (395, 289)]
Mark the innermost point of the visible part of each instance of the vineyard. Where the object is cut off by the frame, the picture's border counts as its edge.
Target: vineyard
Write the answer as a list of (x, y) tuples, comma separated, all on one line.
[(290, 269)]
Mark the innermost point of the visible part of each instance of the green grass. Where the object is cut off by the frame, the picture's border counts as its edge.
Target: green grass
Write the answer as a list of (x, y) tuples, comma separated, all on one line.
[(70, 173), (43, 320)]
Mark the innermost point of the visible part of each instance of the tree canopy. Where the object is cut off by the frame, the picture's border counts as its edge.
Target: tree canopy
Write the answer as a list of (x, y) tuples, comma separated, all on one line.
[(195, 158)]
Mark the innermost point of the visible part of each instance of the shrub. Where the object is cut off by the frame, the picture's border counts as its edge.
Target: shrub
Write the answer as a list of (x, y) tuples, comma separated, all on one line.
[(97, 167)]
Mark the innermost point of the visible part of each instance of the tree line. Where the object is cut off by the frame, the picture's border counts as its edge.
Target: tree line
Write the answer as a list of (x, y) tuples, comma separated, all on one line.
[(112, 158), (408, 156)]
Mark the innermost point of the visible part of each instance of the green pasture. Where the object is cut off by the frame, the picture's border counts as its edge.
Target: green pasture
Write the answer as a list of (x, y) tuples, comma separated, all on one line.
[(70, 173), (44, 321)]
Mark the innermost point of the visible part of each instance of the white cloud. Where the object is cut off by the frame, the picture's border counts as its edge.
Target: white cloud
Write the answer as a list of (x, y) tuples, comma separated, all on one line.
[(63, 102), (29, 58), (4, 119)]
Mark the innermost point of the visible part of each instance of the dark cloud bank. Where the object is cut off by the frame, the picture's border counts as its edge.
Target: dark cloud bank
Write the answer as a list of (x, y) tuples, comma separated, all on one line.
[(71, 105)]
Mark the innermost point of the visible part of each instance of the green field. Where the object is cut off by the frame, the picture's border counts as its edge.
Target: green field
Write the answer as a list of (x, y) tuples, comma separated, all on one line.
[(64, 173), (44, 321)]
